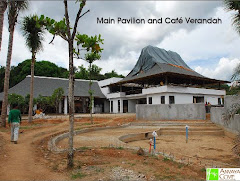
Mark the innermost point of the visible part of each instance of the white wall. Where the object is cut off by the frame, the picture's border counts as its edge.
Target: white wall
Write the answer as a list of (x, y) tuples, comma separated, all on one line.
[(179, 89), (115, 105), (132, 106), (106, 90), (181, 98)]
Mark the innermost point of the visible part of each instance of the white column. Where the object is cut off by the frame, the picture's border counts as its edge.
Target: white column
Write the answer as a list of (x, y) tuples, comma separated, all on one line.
[(93, 106), (110, 105), (8, 109), (121, 106), (65, 105), (35, 107), (60, 107)]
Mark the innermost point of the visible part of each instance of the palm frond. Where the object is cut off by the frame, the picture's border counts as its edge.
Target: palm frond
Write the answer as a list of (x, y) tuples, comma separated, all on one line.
[(236, 72), (234, 6), (33, 33)]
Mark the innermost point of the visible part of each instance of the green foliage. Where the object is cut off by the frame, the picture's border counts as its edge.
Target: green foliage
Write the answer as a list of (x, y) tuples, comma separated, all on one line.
[(54, 27), (43, 102), (236, 73), (20, 101), (78, 175), (91, 44), (166, 159), (16, 99), (113, 73), (42, 68), (234, 6), (233, 91), (49, 69), (56, 97), (82, 73), (33, 33), (14, 7)]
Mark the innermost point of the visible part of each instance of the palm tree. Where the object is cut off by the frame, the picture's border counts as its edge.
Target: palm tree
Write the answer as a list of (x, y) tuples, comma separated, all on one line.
[(14, 8), (33, 33), (3, 7), (236, 72), (234, 6)]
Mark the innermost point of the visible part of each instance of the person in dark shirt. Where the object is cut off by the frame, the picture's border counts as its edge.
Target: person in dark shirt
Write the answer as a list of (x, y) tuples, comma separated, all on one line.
[(14, 119)]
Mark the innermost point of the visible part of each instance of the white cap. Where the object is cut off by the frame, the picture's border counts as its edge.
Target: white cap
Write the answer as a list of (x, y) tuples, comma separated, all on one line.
[(154, 134)]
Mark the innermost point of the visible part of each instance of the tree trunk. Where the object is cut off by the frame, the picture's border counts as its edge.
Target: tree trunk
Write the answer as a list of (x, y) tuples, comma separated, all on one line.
[(3, 7), (30, 110), (71, 105), (90, 92), (6, 78)]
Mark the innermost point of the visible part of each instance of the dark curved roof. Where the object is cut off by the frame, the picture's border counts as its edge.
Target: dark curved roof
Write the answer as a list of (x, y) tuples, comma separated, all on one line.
[(46, 85), (153, 55), (156, 61)]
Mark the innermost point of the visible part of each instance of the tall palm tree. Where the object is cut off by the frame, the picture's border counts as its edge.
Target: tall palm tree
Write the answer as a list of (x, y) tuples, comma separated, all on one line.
[(236, 72), (14, 8), (33, 33), (234, 6), (3, 7)]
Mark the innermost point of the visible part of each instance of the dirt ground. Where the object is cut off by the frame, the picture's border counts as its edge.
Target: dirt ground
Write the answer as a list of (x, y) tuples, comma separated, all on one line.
[(207, 149), (31, 160)]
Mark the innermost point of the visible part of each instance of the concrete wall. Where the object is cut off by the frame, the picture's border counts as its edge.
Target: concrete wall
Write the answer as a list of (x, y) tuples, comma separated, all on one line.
[(230, 100), (217, 116), (171, 112)]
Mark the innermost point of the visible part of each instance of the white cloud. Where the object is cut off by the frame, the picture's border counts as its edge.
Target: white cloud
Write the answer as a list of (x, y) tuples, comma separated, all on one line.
[(123, 43), (207, 41), (222, 71)]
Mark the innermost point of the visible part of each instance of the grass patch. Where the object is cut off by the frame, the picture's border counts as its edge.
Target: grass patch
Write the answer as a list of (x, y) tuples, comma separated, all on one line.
[(132, 164), (55, 167), (25, 127), (99, 170), (3, 130), (180, 165), (155, 157), (165, 159), (120, 148), (203, 169), (78, 175), (84, 148), (86, 124)]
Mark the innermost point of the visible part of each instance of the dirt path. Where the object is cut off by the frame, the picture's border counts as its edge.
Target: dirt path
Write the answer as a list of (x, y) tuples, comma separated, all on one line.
[(22, 161), (18, 161)]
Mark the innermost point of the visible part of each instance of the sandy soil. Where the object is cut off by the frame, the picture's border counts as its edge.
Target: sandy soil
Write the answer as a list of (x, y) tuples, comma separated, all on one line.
[(210, 150), (105, 137), (204, 148), (19, 162), (31, 160)]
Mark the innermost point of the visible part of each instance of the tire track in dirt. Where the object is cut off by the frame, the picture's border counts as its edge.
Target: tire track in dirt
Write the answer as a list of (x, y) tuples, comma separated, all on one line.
[(19, 162)]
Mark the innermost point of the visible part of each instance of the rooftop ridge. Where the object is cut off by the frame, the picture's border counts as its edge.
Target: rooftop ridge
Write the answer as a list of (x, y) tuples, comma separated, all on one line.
[(44, 77)]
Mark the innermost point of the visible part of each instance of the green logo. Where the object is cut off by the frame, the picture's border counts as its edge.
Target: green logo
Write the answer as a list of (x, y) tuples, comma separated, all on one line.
[(212, 174)]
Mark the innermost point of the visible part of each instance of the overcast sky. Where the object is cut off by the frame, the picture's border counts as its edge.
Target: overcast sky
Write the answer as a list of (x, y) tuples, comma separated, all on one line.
[(210, 49)]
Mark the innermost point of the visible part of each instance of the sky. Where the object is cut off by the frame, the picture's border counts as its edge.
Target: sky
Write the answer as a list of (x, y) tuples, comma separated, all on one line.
[(210, 49)]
